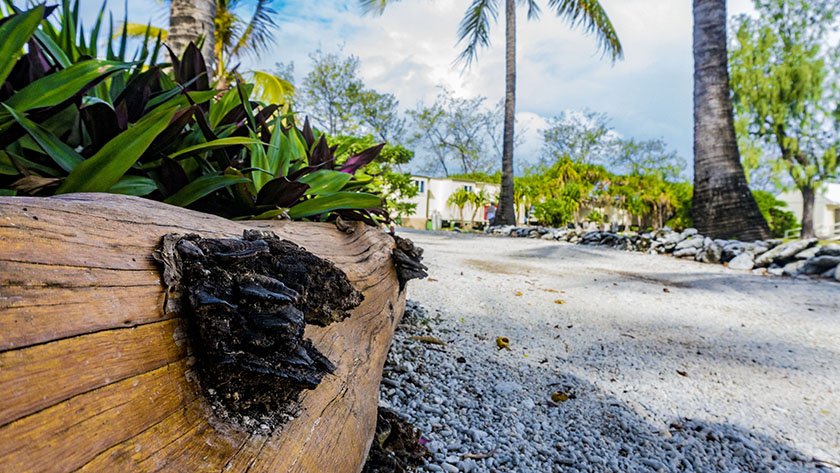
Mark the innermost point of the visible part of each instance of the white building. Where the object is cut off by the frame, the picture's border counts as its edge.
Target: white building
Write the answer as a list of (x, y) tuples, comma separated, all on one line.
[(432, 201), (826, 209), (433, 206)]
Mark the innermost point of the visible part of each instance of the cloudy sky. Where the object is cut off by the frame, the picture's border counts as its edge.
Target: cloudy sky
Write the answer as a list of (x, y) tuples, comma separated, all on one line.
[(409, 51)]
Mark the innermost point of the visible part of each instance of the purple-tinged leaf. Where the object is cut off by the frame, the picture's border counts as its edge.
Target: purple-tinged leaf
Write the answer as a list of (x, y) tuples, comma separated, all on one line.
[(101, 124), (192, 66), (172, 176), (137, 93), (321, 157), (354, 163), (281, 192), (308, 136)]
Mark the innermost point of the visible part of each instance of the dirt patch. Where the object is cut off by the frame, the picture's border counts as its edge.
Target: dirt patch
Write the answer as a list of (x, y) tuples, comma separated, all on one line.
[(498, 267)]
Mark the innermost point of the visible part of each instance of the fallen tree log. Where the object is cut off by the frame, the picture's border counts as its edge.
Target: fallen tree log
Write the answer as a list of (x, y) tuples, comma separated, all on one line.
[(95, 376)]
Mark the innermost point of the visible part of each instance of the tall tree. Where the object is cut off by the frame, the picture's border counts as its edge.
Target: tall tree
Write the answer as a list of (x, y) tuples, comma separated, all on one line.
[(331, 90), (335, 96), (474, 32), (228, 35), (189, 20), (723, 204), (237, 36), (457, 131), (784, 82), (585, 136)]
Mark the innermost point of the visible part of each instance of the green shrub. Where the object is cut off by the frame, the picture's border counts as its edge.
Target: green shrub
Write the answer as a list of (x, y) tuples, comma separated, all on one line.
[(555, 212), (778, 219)]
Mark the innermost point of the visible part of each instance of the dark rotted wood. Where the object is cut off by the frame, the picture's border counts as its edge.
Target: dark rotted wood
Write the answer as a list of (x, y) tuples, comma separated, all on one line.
[(94, 375)]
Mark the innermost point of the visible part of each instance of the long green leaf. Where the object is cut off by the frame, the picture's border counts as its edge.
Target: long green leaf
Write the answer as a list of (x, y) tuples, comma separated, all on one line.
[(259, 160), (337, 201), (66, 157), (14, 33), (105, 168), (325, 181), (54, 89), (134, 185), (295, 150), (201, 187), (7, 167), (215, 144), (94, 34), (275, 149), (222, 107), (54, 50)]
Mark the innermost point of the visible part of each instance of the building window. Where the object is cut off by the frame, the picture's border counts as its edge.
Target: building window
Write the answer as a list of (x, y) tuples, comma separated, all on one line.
[(468, 188), (421, 186)]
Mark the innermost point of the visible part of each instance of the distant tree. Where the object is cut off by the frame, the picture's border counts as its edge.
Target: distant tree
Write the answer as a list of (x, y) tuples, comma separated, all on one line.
[(784, 82), (645, 157), (474, 32), (330, 92), (336, 97), (584, 136), (379, 115), (385, 172), (723, 206), (456, 131)]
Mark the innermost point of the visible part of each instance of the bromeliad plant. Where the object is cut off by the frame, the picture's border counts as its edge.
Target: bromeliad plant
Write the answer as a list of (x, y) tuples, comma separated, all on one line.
[(73, 123)]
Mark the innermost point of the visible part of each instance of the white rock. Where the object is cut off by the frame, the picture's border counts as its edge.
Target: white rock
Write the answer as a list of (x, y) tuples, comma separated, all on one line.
[(742, 262)]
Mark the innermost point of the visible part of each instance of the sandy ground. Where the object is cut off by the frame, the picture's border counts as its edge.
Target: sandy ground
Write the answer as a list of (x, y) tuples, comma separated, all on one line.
[(669, 338)]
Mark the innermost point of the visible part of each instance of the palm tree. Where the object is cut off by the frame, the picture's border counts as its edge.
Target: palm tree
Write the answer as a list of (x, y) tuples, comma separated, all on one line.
[(723, 204), (459, 199), (227, 35), (478, 200), (189, 20), (474, 31)]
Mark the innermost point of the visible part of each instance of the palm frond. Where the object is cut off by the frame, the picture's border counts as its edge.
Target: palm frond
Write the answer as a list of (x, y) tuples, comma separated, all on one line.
[(374, 7), (533, 9), (591, 17), (139, 30), (474, 29), (258, 34)]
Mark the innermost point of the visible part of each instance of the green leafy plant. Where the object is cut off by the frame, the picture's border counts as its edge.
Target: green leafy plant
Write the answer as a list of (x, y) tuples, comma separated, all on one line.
[(69, 123)]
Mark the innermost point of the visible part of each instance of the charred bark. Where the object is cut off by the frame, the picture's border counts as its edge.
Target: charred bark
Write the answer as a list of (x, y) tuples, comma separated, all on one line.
[(396, 446), (408, 261), (247, 302)]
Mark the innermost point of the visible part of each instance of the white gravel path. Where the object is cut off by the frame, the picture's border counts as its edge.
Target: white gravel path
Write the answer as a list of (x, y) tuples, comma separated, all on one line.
[(673, 365)]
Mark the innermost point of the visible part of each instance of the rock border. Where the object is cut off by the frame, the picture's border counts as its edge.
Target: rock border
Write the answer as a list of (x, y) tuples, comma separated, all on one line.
[(797, 258)]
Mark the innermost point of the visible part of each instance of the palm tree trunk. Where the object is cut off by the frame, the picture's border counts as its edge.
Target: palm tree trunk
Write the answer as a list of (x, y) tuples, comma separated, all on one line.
[(505, 214), (723, 204), (809, 195), (189, 19)]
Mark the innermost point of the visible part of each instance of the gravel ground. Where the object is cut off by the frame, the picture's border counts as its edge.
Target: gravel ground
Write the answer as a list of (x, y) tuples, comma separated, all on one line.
[(668, 365)]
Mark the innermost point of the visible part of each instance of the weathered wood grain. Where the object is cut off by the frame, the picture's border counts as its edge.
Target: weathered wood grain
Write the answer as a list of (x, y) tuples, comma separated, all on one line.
[(94, 376)]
